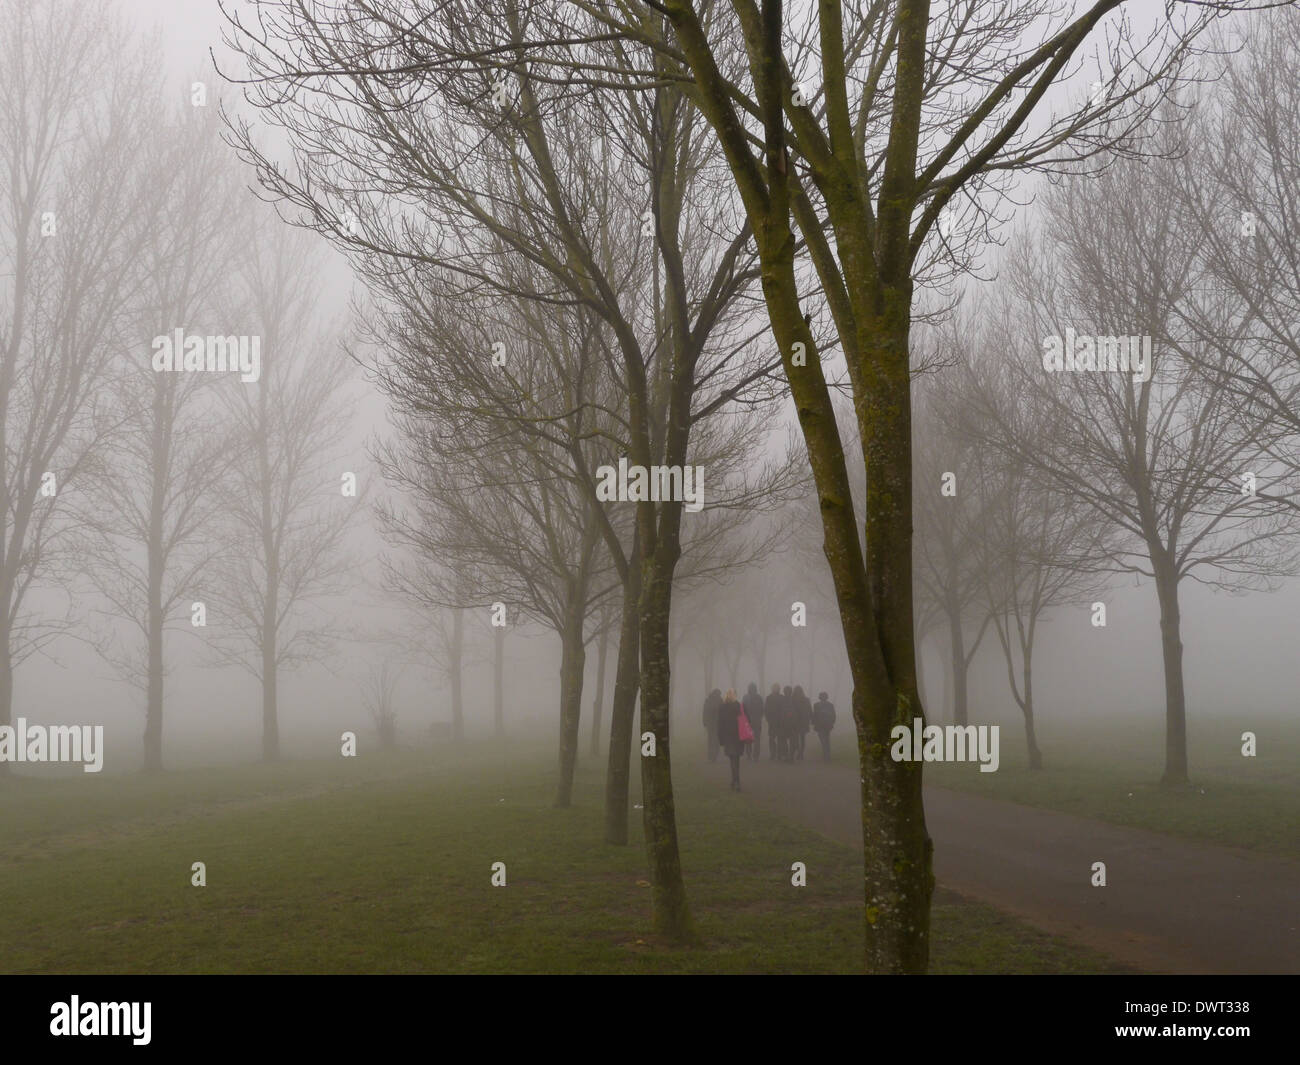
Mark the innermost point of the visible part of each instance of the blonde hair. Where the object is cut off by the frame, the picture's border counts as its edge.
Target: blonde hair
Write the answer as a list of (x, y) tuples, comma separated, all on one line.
[(730, 697)]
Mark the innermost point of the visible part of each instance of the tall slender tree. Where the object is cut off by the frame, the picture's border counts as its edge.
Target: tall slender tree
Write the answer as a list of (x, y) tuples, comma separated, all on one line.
[(862, 132), (146, 545), (598, 219), (76, 98), (290, 500), (1166, 446)]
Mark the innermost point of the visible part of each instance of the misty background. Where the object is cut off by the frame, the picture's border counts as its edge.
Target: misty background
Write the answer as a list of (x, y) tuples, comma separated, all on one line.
[(1239, 650)]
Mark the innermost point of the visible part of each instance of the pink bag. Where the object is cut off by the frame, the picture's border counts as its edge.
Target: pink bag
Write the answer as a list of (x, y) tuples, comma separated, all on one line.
[(742, 723)]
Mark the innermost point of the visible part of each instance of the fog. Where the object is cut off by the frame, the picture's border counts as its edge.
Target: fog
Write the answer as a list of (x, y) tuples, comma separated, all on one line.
[(1238, 660), (469, 297)]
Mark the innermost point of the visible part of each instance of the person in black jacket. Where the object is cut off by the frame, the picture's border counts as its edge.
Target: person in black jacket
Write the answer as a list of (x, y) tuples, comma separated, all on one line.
[(803, 713), (711, 705), (789, 726), (753, 704), (823, 720), (772, 712), (729, 734)]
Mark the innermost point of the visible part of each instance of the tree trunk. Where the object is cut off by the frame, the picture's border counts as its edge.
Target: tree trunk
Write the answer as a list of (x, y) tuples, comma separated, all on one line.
[(920, 674), (270, 709), (602, 650), (898, 852), (896, 846), (873, 581), (872, 575), (958, 651), (160, 445), (270, 639), (271, 601), (946, 675), (1031, 741), (153, 721), (627, 681), (573, 660), (672, 690), (672, 918), (6, 690), (1171, 646), (457, 696), (498, 682)]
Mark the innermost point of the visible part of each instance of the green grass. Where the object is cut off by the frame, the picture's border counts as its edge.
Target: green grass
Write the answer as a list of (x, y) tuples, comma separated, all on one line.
[(383, 865), (1112, 773)]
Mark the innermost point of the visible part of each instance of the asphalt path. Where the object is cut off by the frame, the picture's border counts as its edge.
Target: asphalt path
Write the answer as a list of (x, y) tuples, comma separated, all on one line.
[(1170, 905)]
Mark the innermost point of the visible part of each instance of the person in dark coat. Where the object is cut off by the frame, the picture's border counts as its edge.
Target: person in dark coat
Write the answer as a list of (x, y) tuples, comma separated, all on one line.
[(772, 712), (789, 725), (823, 721), (753, 704), (729, 734), (711, 705), (803, 713)]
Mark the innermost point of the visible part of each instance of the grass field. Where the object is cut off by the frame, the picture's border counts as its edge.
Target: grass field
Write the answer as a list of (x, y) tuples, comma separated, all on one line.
[(383, 864), (1113, 774)]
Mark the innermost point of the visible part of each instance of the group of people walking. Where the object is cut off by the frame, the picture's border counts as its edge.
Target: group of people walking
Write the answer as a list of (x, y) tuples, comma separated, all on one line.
[(736, 725)]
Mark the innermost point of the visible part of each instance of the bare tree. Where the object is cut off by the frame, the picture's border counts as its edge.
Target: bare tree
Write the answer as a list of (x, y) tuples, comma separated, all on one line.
[(447, 630), (1038, 548), (290, 501), (1165, 445), (605, 621), (1237, 191), (913, 113), (75, 101), (493, 513), (950, 503), (432, 636), (918, 111), (146, 546), (610, 208), (380, 696), (498, 680)]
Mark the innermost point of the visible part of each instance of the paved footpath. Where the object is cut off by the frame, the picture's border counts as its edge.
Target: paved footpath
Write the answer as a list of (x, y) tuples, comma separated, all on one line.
[(1170, 905)]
